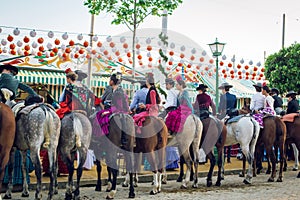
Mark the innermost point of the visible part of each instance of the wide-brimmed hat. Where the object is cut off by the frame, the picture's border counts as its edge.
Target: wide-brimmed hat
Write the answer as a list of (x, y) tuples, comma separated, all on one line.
[(225, 85), (259, 85), (169, 81), (274, 90), (290, 93), (81, 75), (201, 87), (9, 67)]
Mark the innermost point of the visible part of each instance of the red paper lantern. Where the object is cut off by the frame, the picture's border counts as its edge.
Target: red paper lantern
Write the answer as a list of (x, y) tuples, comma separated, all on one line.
[(231, 72), (255, 68), (181, 55), (40, 40), (81, 51), (254, 74), (125, 45), (221, 63), (128, 54), (225, 75), (41, 48), (192, 57), (94, 51), (150, 59), (55, 50), (12, 46), (117, 53), (206, 68), (26, 39), (232, 76), (197, 67), (223, 71), (26, 53), (239, 66), (112, 45), (149, 48), (13, 52), (201, 59), (170, 63), (139, 57), (239, 73), (57, 42), (246, 67), (202, 73), (261, 75), (52, 54), (209, 74), (262, 69), (68, 50), (138, 46), (85, 43), (71, 43), (10, 39), (247, 73), (247, 77), (211, 61), (229, 64), (180, 64), (189, 66), (27, 47), (39, 53), (171, 53), (240, 77), (88, 56), (105, 52), (99, 44), (120, 60)]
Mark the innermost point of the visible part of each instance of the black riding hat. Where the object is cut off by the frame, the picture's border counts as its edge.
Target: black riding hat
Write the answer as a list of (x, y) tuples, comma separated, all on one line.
[(9, 67)]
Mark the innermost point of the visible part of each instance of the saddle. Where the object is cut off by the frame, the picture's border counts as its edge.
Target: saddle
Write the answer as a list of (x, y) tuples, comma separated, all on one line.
[(289, 117), (203, 114), (233, 119)]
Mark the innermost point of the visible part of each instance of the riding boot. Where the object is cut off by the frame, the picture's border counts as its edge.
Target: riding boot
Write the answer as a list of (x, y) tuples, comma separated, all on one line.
[(123, 139), (46, 140), (78, 141)]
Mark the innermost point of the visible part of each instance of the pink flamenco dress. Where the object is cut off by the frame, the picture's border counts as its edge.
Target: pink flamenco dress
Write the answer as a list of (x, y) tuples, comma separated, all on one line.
[(176, 118), (259, 117)]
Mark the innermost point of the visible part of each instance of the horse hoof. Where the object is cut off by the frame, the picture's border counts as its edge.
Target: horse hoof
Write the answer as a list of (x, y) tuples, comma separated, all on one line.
[(68, 197), (98, 188), (218, 184), (209, 183), (135, 185), (131, 195), (124, 184), (164, 182), (279, 180), (183, 187), (108, 190), (295, 169), (241, 174), (7, 196), (25, 195), (271, 180), (268, 172), (247, 182), (284, 169), (55, 192), (153, 193), (179, 179), (298, 176)]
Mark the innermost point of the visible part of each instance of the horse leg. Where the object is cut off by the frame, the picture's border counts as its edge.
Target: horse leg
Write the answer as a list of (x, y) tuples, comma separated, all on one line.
[(220, 164), (282, 159), (271, 155), (151, 159), (181, 163), (52, 156), (188, 162), (243, 172), (81, 159), (35, 158), (161, 166), (109, 179), (11, 162), (259, 152), (69, 161), (55, 170), (247, 156), (269, 165), (25, 192), (113, 168), (130, 168), (212, 159), (296, 152), (99, 169)]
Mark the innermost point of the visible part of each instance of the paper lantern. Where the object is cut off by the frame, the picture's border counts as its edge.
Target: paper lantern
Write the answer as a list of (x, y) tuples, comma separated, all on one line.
[(122, 39), (55, 50), (239, 73), (19, 43), (128, 54), (10, 38), (27, 47), (180, 64), (239, 66), (149, 48), (95, 38), (197, 67), (189, 65), (229, 64), (79, 36), (246, 67), (262, 69), (56, 41), (258, 64), (16, 31), (67, 50), (182, 48), (171, 53), (261, 75), (150, 59), (232, 76), (3, 42), (221, 63), (242, 61), (86, 44), (192, 57), (32, 33), (71, 43), (120, 59), (34, 45), (65, 36), (247, 73), (223, 71), (117, 53), (50, 34), (138, 46), (109, 39), (26, 39), (206, 68), (26, 53), (81, 51), (225, 75), (224, 57), (255, 68), (40, 40), (148, 40), (88, 56), (181, 55), (170, 63), (211, 61), (250, 62), (193, 51), (12, 46), (39, 53), (231, 72), (111, 44), (203, 53), (233, 59), (139, 57), (125, 45), (172, 45)]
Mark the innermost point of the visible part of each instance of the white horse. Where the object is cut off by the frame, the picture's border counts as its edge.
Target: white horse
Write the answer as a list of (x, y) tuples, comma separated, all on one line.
[(244, 131)]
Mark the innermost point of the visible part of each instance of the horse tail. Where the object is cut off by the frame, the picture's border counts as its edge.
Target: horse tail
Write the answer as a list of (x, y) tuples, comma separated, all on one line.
[(280, 128), (197, 138), (77, 125), (48, 121)]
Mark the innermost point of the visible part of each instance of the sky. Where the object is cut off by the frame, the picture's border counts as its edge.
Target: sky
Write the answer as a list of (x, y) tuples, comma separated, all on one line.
[(248, 27)]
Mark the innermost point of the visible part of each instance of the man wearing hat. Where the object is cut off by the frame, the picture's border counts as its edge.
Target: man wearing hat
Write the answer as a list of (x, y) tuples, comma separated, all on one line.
[(139, 98), (277, 100), (227, 101), (293, 104), (172, 98), (9, 85), (203, 101), (258, 99)]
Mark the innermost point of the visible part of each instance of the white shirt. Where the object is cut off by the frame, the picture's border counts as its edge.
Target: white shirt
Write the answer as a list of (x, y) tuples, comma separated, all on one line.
[(269, 102), (171, 100), (257, 101)]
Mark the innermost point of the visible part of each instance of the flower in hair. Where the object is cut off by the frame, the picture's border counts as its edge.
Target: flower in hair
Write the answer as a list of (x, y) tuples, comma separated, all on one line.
[(178, 78), (68, 70)]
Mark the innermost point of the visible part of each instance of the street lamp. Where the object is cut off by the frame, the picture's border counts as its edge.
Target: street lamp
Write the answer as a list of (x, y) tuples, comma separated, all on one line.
[(217, 49)]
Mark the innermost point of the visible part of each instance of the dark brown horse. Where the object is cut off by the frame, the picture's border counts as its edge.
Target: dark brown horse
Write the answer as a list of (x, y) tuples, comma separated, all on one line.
[(7, 136), (119, 124), (293, 133), (216, 132), (273, 134), (152, 141)]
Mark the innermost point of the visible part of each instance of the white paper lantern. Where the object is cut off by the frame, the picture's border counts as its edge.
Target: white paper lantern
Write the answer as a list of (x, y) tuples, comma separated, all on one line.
[(19, 43), (65, 36), (33, 52), (242, 61), (95, 38), (50, 34), (32, 33), (77, 48), (182, 48), (47, 54), (109, 39), (148, 54), (250, 62), (79, 36), (193, 51), (89, 49), (102, 49), (171, 59), (137, 40), (138, 52), (203, 53), (34, 45), (258, 64), (59, 54), (63, 47), (172, 45), (20, 52), (233, 59), (16, 31), (224, 57), (3, 42), (159, 43), (49, 45), (148, 40), (114, 49), (71, 55), (4, 50), (122, 39)]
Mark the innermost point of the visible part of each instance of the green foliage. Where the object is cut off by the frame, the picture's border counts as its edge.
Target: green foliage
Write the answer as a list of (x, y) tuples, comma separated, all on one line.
[(282, 69)]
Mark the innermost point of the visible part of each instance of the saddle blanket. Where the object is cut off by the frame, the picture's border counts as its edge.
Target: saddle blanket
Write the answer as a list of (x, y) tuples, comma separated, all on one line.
[(234, 119), (289, 117)]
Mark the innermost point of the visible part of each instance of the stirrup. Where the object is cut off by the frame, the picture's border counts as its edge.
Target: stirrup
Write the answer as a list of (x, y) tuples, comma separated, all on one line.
[(6, 93)]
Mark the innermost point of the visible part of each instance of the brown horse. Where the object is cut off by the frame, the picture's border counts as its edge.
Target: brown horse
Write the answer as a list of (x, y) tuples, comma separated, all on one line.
[(292, 133), (273, 134), (120, 126), (152, 141), (7, 136)]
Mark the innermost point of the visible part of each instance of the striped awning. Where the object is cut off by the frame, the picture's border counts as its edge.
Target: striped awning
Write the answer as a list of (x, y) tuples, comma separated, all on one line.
[(41, 77)]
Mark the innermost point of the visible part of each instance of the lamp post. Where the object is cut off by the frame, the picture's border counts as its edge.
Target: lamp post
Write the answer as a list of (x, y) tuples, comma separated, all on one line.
[(217, 49)]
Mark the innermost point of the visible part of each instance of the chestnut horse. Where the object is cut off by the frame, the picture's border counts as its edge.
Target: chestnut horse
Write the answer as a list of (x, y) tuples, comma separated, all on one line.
[(152, 141), (293, 134), (120, 125), (273, 134), (7, 136)]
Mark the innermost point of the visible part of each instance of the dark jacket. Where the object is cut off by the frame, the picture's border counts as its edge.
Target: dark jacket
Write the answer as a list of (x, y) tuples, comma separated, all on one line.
[(277, 101), (293, 106), (227, 102), (8, 81)]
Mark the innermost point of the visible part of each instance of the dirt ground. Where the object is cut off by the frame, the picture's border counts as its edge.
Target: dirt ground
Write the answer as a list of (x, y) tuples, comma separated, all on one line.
[(232, 188)]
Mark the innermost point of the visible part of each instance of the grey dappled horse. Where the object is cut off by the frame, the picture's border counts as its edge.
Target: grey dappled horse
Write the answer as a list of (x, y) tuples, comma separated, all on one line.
[(30, 129), (74, 123)]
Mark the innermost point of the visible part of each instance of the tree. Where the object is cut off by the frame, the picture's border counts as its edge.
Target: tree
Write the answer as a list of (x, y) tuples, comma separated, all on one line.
[(282, 69), (132, 13)]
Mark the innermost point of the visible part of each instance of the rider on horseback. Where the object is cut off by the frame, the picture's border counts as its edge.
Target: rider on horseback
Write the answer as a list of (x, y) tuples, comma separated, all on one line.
[(139, 98), (228, 101), (203, 102), (171, 101), (293, 103), (257, 100), (277, 100), (9, 85)]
